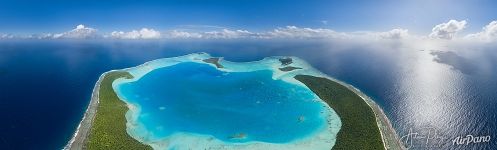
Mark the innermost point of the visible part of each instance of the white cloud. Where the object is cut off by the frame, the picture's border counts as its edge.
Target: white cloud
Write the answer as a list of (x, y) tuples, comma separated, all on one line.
[(80, 32), (303, 33), (125, 35), (149, 33), (223, 34), (394, 34), (448, 30), (229, 34), (289, 32), (488, 33), (144, 33), (41, 36), (183, 35), (6, 36), (284, 33)]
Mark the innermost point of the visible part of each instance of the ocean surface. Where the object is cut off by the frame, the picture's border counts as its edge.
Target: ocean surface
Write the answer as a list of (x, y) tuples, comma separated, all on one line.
[(45, 86)]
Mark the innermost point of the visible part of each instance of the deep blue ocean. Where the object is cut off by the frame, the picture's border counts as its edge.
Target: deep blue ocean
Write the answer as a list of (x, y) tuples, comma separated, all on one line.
[(45, 86)]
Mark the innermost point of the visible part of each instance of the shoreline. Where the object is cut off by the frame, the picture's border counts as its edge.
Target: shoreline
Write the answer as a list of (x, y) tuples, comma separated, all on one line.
[(388, 133), (82, 132)]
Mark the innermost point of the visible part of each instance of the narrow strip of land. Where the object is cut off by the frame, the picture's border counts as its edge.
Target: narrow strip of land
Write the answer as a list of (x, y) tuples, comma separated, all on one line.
[(289, 68), (81, 135), (108, 130), (359, 127)]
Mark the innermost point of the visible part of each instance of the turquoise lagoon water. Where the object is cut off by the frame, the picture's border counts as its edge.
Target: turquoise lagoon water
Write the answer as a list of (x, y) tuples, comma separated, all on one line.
[(198, 100)]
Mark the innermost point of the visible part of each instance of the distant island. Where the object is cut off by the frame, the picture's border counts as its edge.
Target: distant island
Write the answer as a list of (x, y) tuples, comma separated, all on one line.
[(298, 107)]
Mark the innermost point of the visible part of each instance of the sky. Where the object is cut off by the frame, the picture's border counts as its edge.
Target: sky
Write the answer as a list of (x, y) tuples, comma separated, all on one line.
[(25, 17)]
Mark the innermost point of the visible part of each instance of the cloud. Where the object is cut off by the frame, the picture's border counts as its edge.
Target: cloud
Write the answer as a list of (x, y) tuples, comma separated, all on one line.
[(397, 33), (125, 35), (394, 34), (41, 36), (144, 33), (6, 36), (80, 32), (229, 34), (448, 30), (222, 34), (488, 33), (182, 35), (149, 33), (288, 32), (285, 33), (303, 33)]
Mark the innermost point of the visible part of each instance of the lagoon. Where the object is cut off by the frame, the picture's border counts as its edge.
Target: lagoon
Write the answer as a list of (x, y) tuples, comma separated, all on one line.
[(241, 105)]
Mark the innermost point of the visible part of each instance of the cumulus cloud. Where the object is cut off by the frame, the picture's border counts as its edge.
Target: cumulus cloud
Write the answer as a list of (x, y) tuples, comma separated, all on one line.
[(394, 34), (448, 30), (183, 35), (149, 33), (80, 32), (488, 33), (144, 33)]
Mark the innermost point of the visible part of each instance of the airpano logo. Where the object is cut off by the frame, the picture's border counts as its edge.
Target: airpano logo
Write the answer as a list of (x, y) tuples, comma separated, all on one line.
[(431, 137), (427, 137), (470, 139)]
